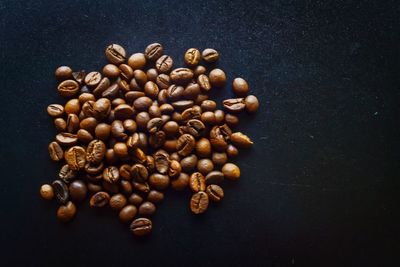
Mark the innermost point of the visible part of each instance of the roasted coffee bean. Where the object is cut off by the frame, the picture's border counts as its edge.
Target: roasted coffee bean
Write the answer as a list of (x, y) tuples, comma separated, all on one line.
[(189, 163), (75, 157), (219, 158), (79, 76), (205, 166), (88, 124), (251, 103), (103, 131), (92, 169), (140, 77), (234, 105), (240, 87), (215, 192), (139, 173), (181, 75), (141, 227), (163, 81), (94, 187), (46, 192), (88, 110), (115, 54), (157, 139), (159, 181), (232, 151), (68, 88), (135, 199), (181, 182), (203, 147), (93, 78), (84, 97), (55, 110), (60, 191), (95, 152), (60, 124), (161, 159), (55, 151), (174, 168), (66, 213), (72, 106), (111, 174), (123, 111), (154, 125), (121, 150), (197, 182), (208, 105), (84, 136), (112, 188), (117, 101), (103, 85), (185, 144), (153, 51), (217, 78), (147, 209), (214, 177), (78, 191), (151, 89), (111, 92), (200, 98), (139, 155), (102, 108), (208, 117), (117, 201), (111, 71), (142, 103), (118, 131), (217, 139), (99, 200), (141, 187), (164, 64), (219, 116), (125, 171), (63, 72), (154, 111), (95, 178), (175, 92), (127, 213), (126, 187), (133, 141), (192, 57), (72, 123), (175, 156), (231, 171), (204, 82), (126, 72), (137, 61), (191, 113), (67, 174), (142, 119), (231, 120), (155, 196), (210, 55), (199, 203), (66, 139), (198, 70), (129, 125), (241, 140), (192, 90), (171, 128)]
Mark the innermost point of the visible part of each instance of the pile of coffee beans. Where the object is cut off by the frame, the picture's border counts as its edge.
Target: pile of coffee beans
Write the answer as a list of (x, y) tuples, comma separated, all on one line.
[(140, 126)]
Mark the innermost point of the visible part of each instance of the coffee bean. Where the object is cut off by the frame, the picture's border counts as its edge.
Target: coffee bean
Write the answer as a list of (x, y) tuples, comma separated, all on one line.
[(191, 91), (210, 55), (217, 78), (77, 191), (117, 201), (88, 124), (174, 168), (111, 174), (218, 138), (102, 108), (191, 113), (155, 196), (153, 51), (68, 88), (152, 74), (84, 97), (204, 82), (214, 177), (240, 87), (46, 192), (192, 57), (215, 192), (234, 105), (203, 147), (175, 92), (198, 70), (171, 128), (103, 131), (199, 203), (55, 110), (111, 188), (142, 103), (139, 173), (232, 151), (55, 151), (93, 78), (115, 54), (147, 209), (185, 144), (67, 174), (161, 159), (111, 71), (157, 139), (99, 200), (163, 81), (137, 61), (111, 92), (231, 171), (60, 124), (205, 166), (181, 75), (60, 191), (231, 120), (219, 158), (181, 182), (126, 187), (151, 89), (72, 106), (197, 182), (72, 123), (141, 187), (159, 181), (208, 117), (95, 151), (75, 157), (135, 199), (154, 125), (63, 72), (92, 169), (79, 76), (208, 105), (126, 72), (251, 103), (164, 64), (103, 85), (127, 213), (118, 131), (66, 213), (241, 140), (66, 139), (189, 163), (141, 227)]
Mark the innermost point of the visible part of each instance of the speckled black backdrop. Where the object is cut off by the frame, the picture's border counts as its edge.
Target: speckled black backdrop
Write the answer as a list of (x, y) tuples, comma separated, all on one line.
[(317, 188)]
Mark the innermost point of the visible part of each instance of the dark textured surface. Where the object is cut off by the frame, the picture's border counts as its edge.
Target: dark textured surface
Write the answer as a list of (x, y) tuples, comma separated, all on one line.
[(318, 187)]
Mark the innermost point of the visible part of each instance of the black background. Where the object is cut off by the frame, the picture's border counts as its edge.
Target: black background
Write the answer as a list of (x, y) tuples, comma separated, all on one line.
[(317, 188)]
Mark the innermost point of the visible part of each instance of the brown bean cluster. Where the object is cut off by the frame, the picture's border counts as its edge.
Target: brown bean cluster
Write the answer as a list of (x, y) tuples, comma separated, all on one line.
[(140, 126)]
